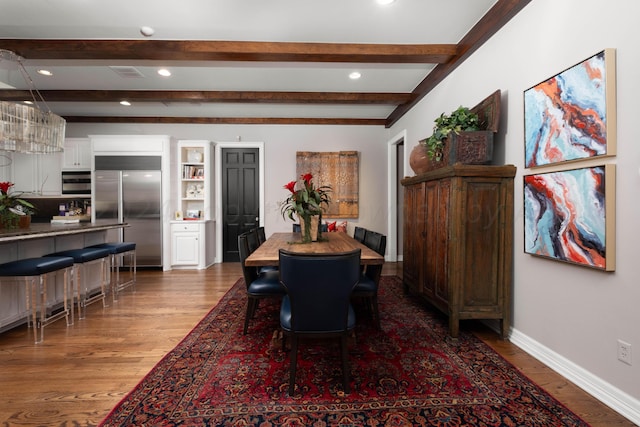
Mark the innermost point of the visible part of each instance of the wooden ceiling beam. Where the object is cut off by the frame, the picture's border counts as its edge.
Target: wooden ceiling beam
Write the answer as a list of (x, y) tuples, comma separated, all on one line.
[(227, 120), (491, 22), (364, 98), (189, 50)]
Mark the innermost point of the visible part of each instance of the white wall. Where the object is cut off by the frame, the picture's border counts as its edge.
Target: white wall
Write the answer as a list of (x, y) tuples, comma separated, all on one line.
[(572, 316), (281, 144)]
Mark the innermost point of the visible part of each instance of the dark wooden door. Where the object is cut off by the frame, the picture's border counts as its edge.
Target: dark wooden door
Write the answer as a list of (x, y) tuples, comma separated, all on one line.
[(240, 198)]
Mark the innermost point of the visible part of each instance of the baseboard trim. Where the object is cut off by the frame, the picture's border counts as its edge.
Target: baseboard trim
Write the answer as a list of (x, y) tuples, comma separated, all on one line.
[(621, 402)]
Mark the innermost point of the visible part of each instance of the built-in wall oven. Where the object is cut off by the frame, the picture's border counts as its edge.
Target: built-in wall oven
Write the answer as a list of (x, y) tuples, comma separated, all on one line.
[(76, 182)]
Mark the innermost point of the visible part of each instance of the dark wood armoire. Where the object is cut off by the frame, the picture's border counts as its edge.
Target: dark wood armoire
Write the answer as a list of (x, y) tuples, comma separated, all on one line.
[(458, 241)]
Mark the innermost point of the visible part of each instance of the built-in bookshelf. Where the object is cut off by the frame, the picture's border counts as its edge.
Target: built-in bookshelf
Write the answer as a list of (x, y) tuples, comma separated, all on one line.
[(192, 239), (196, 180)]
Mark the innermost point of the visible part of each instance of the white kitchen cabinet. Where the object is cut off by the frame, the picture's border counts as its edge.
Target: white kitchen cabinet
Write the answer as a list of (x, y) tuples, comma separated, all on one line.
[(37, 174), (186, 244), (189, 247), (77, 154)]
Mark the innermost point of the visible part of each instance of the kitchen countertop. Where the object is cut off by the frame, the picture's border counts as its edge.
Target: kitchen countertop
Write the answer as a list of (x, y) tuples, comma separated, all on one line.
[(36, 231)]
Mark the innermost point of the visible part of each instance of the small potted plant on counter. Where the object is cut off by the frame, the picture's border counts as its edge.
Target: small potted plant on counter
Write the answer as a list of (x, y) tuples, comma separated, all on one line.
[(13, 208)]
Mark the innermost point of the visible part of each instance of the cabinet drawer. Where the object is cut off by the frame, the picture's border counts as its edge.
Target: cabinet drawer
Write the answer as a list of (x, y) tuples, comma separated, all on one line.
[(185, 227)]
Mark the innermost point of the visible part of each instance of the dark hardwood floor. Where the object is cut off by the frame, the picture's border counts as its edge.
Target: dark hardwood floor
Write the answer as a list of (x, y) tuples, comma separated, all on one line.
[(79, 373)]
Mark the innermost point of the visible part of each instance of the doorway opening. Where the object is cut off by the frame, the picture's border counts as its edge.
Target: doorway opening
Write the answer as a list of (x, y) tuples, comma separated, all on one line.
[(395, 167)]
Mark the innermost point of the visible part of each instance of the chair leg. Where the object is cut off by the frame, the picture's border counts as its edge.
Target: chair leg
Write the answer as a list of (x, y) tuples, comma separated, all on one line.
[(248, 315), (293, 364), (345, 363), (376, 312)]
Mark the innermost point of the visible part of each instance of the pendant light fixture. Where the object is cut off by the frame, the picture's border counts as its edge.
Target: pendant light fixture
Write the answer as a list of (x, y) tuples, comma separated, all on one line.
[(26, 128)]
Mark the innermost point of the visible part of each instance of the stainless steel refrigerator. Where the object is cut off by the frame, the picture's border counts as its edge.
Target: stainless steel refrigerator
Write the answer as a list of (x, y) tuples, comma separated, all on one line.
[(129, 189)]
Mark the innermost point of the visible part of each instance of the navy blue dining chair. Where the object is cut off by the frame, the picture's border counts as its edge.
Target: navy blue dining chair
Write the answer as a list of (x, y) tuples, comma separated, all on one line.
[(259, 284), (367, 287), (317, 303)]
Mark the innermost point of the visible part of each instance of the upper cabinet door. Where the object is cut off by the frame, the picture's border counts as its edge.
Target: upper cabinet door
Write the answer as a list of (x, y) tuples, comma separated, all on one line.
[(77, 154), (37, 174)]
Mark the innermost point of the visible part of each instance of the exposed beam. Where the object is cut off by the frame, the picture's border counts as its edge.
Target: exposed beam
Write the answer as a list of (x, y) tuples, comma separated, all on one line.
[(381, 98), (490, 23), (189, 50), (227, 120)]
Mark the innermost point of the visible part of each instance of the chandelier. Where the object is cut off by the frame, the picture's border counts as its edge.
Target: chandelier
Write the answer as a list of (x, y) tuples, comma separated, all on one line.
[(26, 128)]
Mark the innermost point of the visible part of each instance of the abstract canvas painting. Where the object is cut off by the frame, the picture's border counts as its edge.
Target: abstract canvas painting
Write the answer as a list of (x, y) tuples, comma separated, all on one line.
[(571, 116), (569, 216)]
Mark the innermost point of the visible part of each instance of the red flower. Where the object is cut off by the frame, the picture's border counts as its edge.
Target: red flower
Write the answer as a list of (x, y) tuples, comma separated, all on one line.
[(307, 177), (5, 186), (291, 186)]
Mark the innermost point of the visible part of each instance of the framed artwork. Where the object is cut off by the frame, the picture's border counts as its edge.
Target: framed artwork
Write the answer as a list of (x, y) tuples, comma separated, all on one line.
[(572, 115), (192, 214), (340, 170), (570, 216)]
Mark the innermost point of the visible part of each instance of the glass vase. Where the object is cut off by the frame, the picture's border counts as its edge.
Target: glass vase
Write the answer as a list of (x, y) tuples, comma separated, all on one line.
[(309, 227)]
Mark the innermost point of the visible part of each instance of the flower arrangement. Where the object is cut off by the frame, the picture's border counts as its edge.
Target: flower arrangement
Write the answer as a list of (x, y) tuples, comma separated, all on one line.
[(305, 200), (12, 207)]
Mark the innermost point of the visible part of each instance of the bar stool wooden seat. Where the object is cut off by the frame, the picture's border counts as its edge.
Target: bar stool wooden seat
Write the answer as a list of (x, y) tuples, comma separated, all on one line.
[(82, 258), (34, 272), (118, 252)]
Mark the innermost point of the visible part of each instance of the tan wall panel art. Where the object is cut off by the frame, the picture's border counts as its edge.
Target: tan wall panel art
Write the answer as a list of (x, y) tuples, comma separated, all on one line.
[(339, 170)]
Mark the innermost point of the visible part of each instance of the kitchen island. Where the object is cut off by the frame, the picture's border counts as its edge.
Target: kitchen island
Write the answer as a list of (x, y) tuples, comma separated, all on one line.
[(36, 241), (43, 230)]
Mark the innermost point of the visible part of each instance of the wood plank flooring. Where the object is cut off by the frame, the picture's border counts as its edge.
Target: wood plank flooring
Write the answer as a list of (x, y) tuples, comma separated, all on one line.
[(79, 373)]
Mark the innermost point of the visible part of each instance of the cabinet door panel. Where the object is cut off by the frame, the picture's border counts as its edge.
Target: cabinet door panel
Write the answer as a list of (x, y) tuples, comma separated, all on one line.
[(414, 237), (482, 245), (443, 241), (186, 249)]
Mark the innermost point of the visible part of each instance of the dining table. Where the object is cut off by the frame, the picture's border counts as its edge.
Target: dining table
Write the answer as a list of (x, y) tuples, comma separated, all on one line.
[(329, 243)]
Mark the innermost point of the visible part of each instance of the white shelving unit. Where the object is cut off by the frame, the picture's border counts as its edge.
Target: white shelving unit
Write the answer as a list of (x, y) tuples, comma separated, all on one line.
[(192, 231)]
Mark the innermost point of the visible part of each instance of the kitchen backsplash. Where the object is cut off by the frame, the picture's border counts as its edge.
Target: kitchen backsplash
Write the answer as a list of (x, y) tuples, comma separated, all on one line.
[(48, 207)]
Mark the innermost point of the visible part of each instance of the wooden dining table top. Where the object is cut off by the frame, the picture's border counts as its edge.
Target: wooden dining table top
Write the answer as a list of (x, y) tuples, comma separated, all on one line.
[(332, 243)]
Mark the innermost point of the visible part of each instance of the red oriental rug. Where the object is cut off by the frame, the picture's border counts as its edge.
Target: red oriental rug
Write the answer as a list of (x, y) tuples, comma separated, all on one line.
[(408, 374)]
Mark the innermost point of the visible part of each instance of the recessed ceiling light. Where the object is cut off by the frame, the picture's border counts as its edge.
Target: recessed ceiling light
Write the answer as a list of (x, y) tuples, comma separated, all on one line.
[(125, 103), (147, 31), (355, 75), (28, 102), (164, 72), (383, 2), (45, 72)]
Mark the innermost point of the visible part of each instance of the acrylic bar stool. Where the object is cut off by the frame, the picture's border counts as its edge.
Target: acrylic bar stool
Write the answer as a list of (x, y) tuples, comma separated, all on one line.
[(82, 258), (118, 252), (34, 272)]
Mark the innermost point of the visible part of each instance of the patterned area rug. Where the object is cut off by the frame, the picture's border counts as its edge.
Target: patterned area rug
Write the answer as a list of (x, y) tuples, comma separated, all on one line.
[(408, 374)]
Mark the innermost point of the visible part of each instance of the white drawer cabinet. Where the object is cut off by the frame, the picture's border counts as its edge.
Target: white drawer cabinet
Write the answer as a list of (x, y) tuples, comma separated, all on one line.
[(191, 244)]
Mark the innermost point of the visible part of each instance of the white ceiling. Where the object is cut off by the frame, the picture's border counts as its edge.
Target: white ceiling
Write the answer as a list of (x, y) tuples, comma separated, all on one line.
[(321, 21)]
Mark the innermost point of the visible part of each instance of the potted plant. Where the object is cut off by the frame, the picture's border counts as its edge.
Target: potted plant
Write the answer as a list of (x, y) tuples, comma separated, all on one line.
[(460, 120), (12, 207), (305, 201)]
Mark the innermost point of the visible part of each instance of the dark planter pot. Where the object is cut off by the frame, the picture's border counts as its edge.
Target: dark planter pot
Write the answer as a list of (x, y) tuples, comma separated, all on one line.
[(24, 221)]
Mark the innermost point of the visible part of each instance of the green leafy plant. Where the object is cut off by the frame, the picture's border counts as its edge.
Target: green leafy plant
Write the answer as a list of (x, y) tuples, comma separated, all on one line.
[(460, 120), (12, 206), (304, 198), (305, 201)]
